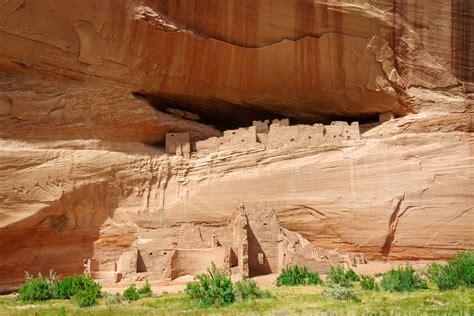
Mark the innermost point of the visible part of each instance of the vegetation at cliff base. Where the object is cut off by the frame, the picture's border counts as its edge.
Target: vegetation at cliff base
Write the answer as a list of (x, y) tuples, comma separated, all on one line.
[(445, 289), (457, 272), (81, 288), (338, 275), (300, 300), (295, 275), (403, 279)]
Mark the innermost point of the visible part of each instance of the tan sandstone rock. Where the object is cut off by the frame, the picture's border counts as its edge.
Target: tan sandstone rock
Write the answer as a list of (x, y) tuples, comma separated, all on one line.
[(84, 86)]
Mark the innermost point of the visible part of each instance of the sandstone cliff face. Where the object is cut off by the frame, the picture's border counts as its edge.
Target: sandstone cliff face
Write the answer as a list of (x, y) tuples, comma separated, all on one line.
[(83, 86)]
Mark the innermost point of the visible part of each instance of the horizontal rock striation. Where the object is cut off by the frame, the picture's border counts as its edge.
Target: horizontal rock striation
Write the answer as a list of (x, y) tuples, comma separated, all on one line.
[(85, 87)]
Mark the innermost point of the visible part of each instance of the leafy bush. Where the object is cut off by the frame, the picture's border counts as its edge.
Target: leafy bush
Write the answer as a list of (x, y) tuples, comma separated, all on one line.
[(337, 275), (71, 285), (87, 297), (247, 289), (463, 265), (131, 293), (351, 275), (82, 287), (402, 279), (36, 289), (211, 289), (295, 275), (339, 292), (145, 290), (368, 283), (64, 289), (444, 276), (458, 271), (86, 291)]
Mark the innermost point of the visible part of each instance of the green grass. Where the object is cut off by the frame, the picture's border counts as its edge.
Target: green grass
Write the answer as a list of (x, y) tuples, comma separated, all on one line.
[(305, 300)]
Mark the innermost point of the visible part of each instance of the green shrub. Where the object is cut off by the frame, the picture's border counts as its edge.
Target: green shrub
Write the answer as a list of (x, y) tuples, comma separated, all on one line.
[(443, 276), (145, 290), (458, 271), (82, 287), (402, 279), (211, 289), (368, 283), (131, 293), (36, 289), (337, 275), (339, 292), (352, 276), (247, 289), (64, 289), (86, 291), (463, 265), (87, 297), (295, 275)]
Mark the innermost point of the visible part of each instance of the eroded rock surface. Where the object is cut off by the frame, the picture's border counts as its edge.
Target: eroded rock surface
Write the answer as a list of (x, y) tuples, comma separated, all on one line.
[(84, 88)]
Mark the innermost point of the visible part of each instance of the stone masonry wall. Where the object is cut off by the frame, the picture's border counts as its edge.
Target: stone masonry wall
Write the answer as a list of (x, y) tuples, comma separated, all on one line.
[(311, 135), (239, 139), (178, 143), (280, 134)]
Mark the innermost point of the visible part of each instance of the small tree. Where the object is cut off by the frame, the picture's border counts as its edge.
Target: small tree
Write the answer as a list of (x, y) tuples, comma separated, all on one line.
[(368, 283), (36, 289), (337, 275), (295, 275), (458, 271), (145, 290), (402, 279), (247, 289), (131, 293), (211, 289)]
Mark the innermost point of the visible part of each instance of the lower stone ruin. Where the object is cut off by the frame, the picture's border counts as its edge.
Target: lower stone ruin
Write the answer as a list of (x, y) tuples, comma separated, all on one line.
[(252, 243)]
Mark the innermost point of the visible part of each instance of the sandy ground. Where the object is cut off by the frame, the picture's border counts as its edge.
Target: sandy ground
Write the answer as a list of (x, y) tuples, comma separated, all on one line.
[(179, 284)]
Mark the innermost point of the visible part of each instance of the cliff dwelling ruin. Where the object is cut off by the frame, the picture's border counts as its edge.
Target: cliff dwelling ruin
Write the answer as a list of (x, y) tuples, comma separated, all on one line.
[(264, 135), (252, 243), (129, 131)]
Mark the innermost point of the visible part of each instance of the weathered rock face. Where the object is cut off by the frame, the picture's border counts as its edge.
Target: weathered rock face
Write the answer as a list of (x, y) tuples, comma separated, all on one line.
[(298, 59), (84, 86)]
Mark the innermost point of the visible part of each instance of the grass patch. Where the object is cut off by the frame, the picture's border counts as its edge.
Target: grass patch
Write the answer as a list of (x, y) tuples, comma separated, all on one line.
[(304, 300)]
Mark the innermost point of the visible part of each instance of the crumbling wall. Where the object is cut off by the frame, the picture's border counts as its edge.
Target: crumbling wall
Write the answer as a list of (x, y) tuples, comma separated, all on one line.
[(157, 261), (239, 139), (261, 126), (196, 261), (339, 131), (127, 263), (240, 239), (278, 135), (263, 235), (311, 135), (282, 122), (178, 143), (282, 136), (105, 271)]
